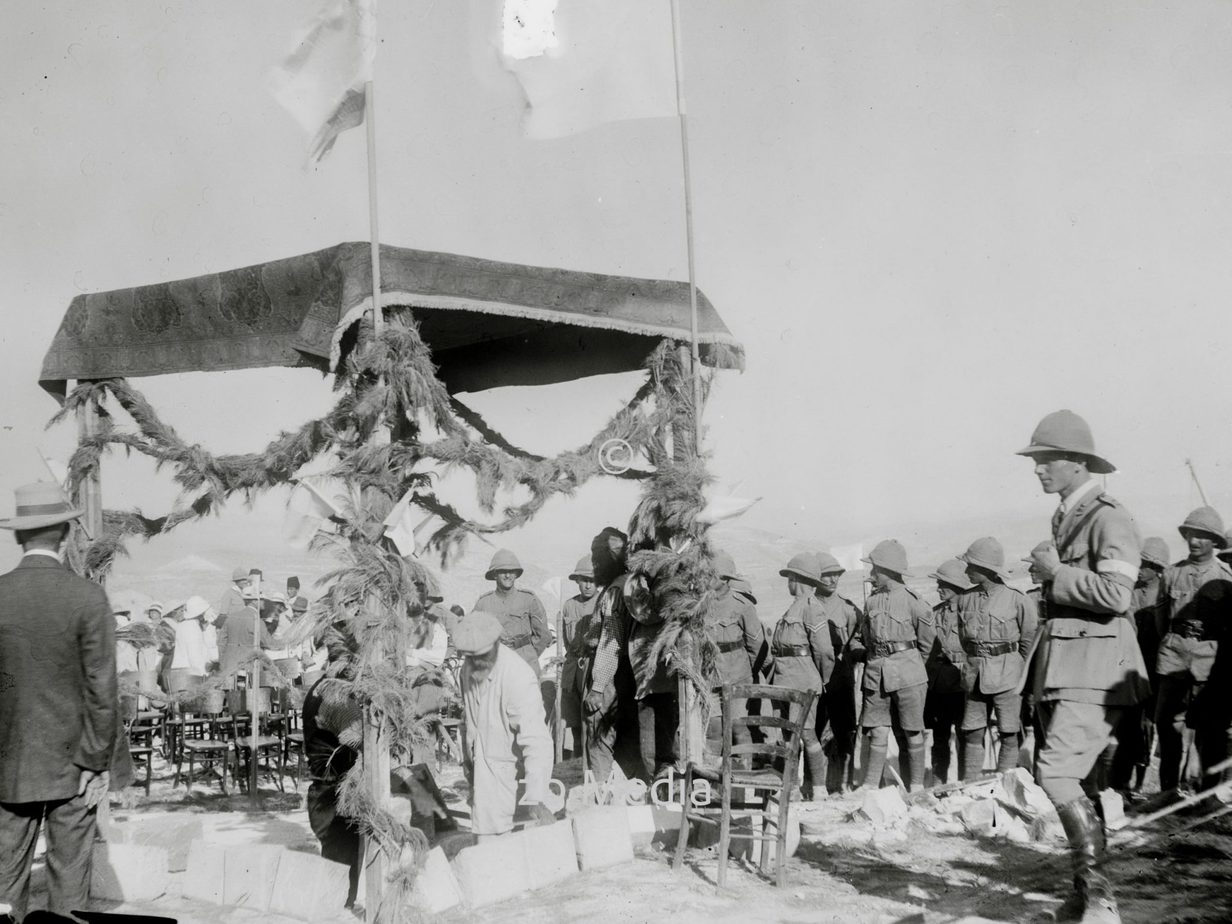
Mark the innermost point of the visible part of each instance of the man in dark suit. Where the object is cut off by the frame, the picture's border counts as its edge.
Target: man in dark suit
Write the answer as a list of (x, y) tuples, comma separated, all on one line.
[(58, 707)]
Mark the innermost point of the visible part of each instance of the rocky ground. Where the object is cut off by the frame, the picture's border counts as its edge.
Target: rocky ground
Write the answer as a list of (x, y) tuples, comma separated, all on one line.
[(923, 865)]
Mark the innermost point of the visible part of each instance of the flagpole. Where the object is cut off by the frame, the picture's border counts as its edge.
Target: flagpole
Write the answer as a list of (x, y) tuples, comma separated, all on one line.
[(376, 747), (678, 52)]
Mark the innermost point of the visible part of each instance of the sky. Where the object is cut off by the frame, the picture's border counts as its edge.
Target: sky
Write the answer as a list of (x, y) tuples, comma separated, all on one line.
[(929, 224)]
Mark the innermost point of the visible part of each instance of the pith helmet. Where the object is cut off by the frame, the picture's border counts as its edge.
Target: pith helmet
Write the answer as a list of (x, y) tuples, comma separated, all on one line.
[(805, 566), (1207, 522), (1155, 552), (725, 566), (503, 560), (741, 586), (1065, 431), (890, 555), (954, 573), (986, 553), (40, 504), (829, 564), (583, 570)]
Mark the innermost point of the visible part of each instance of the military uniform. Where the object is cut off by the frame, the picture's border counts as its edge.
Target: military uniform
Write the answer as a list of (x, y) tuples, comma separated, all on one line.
[(943, 707), (523, 620), (997, 625), (897, 627), (836, 708), (576, 616), (1197, 597)]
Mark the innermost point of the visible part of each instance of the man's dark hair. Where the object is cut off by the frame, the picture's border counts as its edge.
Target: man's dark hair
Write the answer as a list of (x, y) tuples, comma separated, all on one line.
[(56, 532), (607, 566)]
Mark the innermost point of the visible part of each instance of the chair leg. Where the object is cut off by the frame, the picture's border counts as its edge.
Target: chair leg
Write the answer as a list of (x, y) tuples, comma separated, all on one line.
[(682, 836), (763, 859), (188, 787), (724, 830), (149, 771), (780, 840)]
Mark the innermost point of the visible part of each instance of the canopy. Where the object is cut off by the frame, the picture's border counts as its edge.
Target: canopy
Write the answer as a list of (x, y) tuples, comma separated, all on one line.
[(488, 323)]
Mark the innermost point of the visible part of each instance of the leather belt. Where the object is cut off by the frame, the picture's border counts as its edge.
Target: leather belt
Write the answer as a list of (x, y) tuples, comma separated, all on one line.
[(792, 651), (989, 649), (729, 646), (517, 641), (1191, 628), (885, 649)]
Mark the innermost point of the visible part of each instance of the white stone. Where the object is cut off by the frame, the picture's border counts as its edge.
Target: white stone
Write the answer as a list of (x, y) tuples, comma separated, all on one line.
[(128, 872), (883, 806), (308, 887), (249, 874), (601, 837), (203, 880), (1114, 809), (550, 854), (171, 832), (492, 871), (436, 887)]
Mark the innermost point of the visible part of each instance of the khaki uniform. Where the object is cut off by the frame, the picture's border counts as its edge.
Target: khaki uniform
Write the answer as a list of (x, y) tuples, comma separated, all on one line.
[(943, 707), (576, 615), (1088, 664), (740, 637), (802, 654), (836, 709), (896, 629), (1196, 606), (524, 620)]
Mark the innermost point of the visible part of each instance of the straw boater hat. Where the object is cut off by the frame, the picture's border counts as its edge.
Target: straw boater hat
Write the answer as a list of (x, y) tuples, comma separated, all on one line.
[(1066, 432), (954, 573), (476, 633), (38, 505), (986, 553), (583, 570)]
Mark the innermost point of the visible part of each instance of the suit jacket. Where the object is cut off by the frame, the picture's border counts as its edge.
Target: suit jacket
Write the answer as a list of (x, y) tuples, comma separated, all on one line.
[(59, 702), (1089, 652)]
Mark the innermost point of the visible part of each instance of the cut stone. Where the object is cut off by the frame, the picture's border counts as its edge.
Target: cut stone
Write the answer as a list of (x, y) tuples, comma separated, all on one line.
[(172, 833), (550, 854), (601, 837), (436, 887), (205, 875), (128, 872), (1114, 809), (883, 806), (980, 817), (493, 870), (308, 887), (249, 874), (649, 824)]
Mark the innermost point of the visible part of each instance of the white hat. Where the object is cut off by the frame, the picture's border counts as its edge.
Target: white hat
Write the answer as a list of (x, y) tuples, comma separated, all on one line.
[(195, 607)]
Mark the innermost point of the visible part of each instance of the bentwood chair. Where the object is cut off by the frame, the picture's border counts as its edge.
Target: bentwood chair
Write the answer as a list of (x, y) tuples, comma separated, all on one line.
[(771, 785)]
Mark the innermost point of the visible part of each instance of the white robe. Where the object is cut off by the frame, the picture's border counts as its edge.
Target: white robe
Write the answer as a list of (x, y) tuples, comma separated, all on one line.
[(189, 647), (503, 728)]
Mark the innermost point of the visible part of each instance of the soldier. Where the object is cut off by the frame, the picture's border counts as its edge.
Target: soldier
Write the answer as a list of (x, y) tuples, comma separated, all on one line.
[(1030, 715), (1136, 739), (896, 629), (1088, 666), (803, 655), (740, 637), (837, 706), (1195, 596), (519, 611), (576, 616), (943, 707), (997, 625)]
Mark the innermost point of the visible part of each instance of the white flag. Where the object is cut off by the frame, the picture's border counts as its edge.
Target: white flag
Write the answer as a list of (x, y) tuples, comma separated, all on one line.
[(322, 82), (585, 62), (313, 501), (849, 556)]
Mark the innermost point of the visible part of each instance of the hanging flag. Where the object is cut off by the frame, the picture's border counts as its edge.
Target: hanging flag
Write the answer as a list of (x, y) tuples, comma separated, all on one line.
[(585, 62), (314, 500), (322, 82), (724, 508)]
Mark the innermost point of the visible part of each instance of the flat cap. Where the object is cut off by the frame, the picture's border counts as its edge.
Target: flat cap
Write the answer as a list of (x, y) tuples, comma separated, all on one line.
[(476, 633)]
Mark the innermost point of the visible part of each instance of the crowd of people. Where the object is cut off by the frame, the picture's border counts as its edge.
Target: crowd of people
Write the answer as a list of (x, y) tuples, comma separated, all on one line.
[(1115, 648)]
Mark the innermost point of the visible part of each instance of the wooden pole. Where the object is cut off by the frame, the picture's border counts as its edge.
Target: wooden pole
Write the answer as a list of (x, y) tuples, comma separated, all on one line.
[(90, 491), (254, 701), (558, 720), (678, 50), (376, 745), (1197, 484)]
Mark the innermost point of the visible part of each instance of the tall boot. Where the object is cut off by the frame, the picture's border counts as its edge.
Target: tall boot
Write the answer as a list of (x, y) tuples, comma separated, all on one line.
[(1092, 901), (873, 756), (814, 772), (941, 756), (1007, 755), (917, 750), (972, 753)]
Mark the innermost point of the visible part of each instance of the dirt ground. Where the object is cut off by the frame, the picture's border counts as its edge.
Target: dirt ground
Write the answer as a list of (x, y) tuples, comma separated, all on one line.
[(844, 870)]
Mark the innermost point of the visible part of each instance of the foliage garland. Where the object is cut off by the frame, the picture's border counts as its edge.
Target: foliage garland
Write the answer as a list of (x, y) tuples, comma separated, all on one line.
[(391, 378)]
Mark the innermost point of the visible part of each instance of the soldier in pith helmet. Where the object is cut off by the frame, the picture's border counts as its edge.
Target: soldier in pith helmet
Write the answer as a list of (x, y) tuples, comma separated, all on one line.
[(520, 612), (943, 708), (738, 634), (836, 709), (1088, 665)]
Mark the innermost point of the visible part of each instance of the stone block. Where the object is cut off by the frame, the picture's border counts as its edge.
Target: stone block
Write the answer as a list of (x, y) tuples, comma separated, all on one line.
[(308, 887), (205, 874), (249, 874), (601, 837), (550, 854), (649, 824), (1023, 795), (979, 817), (171, 832), (128, 872), (1114, 809), (883, 806), (436, 887), (493, 870)]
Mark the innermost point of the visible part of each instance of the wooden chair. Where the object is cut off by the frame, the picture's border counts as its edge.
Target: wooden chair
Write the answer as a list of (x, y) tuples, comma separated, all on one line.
[(269, 753), (141, 745), (198, 742), (773, 783)]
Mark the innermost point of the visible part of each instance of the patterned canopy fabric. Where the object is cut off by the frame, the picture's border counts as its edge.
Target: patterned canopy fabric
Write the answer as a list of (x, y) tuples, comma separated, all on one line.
[(488, 323)]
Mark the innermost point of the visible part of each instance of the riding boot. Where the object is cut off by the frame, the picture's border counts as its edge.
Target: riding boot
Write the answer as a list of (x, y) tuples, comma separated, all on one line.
[(873, 757), (1092, 901), (941, 757), (972, 753), (814, 773), (1007, 756), (917, 752)]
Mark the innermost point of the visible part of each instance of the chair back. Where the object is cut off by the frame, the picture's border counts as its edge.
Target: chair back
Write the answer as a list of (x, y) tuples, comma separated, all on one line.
[(783, 709)]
